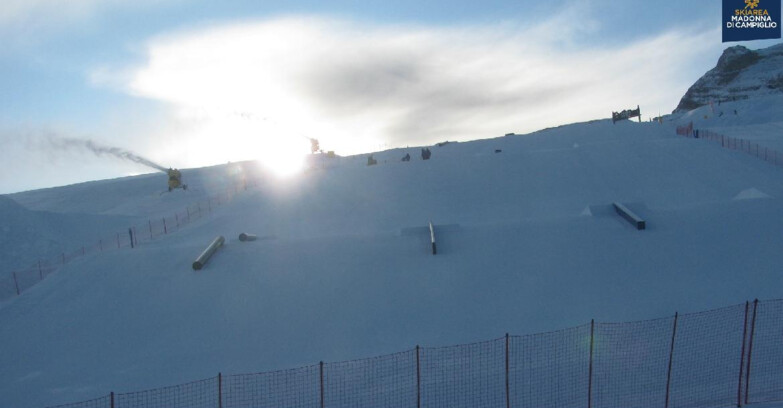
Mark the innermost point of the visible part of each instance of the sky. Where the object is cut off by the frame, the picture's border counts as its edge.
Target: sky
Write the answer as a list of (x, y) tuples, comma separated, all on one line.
[(195, 83)]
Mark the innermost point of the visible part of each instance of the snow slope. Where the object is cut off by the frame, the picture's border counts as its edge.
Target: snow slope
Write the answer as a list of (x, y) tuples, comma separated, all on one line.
[(27, 234), (140, 196), (527, 239), (758, 120)]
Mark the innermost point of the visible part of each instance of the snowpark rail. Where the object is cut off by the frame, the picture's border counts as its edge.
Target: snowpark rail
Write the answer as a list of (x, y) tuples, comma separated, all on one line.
[(731, 356), (17, 282)]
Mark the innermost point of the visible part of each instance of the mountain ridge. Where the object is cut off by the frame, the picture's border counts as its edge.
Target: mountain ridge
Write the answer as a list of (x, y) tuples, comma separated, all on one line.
[(740, 73)]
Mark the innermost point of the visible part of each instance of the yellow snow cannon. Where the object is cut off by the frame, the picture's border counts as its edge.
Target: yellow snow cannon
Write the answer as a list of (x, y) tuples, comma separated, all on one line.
[(175, 179)]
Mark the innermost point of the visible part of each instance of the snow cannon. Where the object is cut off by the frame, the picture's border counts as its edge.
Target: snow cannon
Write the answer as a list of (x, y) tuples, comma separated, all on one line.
[(175, 179), (204, 257), (247, 237)]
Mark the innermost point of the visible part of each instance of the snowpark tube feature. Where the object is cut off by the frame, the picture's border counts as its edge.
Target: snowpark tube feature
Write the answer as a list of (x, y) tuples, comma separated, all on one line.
[(204, 257), (247, 237)]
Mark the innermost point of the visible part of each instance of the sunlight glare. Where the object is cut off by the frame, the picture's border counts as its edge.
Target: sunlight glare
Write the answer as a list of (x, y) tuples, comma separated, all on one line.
[(282, 154), (283, 163)]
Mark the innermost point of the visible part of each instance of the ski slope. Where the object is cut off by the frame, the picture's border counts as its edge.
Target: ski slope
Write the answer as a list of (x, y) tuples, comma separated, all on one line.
[(758, 119), (527, 242)]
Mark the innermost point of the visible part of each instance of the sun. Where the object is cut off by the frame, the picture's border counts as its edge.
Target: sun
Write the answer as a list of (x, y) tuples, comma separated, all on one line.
[(282, 162), (283, 155), (277, 148), (223, 136)]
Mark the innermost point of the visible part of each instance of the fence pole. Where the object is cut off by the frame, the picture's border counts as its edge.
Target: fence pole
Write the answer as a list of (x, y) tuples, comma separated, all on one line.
[(590, 370), (16, 283), (750, 349), (432, 239), (135, 237), (671, 358), (418, 377), (220, 390), (165, 230), (111, 399), (40, 272), (130, 234), (321, 374), (508, 393), (742, 356), (176, 218), (118, 240)]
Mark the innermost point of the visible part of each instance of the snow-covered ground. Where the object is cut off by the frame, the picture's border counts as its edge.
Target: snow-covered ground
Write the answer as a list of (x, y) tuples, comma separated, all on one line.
[(759, 120), (527, 242)]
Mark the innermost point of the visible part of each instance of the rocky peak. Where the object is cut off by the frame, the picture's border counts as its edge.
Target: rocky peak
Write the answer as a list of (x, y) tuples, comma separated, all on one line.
[(740, 74)]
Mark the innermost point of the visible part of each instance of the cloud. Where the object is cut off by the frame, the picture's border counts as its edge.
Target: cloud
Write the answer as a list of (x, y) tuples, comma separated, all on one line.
[(359, 85), (24, 21), (23, 11)]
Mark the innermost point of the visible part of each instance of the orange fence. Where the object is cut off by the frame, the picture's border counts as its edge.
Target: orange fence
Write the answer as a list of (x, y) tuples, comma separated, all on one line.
[(733, 143)]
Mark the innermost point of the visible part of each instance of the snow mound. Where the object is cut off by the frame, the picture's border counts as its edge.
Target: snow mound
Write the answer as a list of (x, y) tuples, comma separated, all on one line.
[(751, 194)]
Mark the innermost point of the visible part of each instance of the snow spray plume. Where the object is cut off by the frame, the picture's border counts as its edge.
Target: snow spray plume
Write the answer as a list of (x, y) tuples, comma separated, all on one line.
[(100, 150)]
